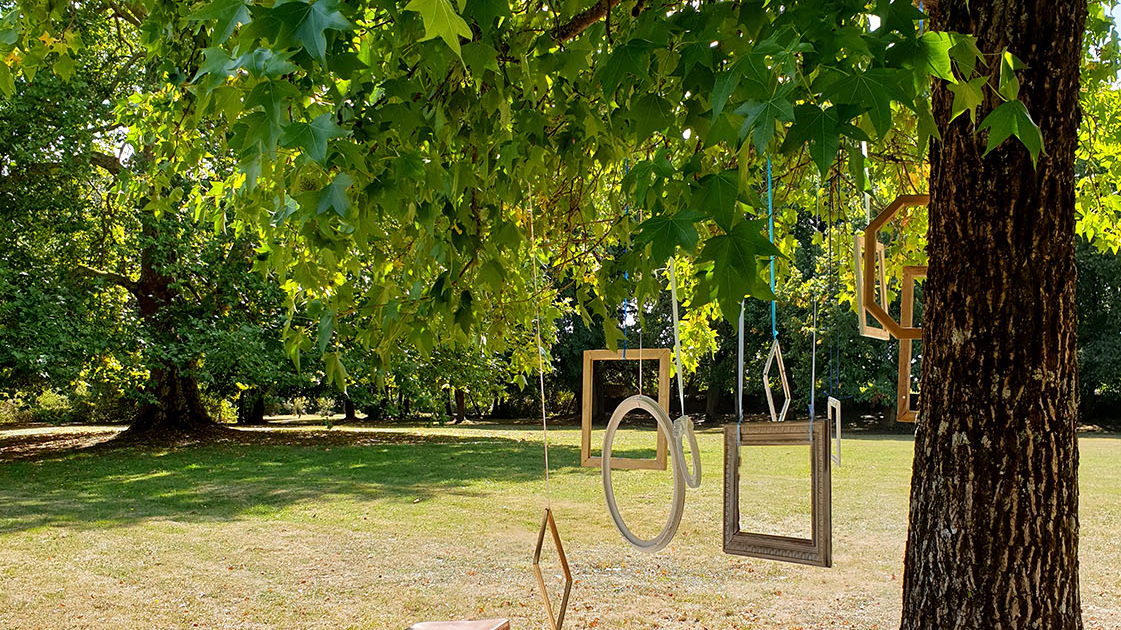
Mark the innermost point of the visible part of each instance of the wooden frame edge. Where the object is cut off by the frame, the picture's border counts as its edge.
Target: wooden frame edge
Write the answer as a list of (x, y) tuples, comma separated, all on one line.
[(858, 264), (903, 410), (876, 310), (662, 356)]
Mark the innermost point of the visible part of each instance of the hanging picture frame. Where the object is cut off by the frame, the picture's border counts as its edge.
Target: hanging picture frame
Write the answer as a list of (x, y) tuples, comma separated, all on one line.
[(817, 550), (662, 357)]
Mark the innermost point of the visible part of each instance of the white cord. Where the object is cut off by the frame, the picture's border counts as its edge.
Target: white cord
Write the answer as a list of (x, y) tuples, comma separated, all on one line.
[(540, 354)]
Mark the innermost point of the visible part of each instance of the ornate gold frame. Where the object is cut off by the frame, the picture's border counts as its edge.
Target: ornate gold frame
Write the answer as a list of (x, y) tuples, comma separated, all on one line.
[(816, 550)]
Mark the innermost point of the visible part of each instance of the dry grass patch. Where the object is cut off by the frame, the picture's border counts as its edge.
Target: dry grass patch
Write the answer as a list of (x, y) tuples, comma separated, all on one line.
[(378, 528)]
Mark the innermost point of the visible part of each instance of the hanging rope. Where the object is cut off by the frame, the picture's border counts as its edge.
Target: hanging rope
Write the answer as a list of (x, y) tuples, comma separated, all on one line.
[(771, 216), (813, 340), (627, 277), (683, 426), (540, 354)]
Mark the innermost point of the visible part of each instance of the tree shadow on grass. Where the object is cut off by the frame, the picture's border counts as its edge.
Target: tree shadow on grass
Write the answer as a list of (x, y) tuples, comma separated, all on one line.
[(103, 486)]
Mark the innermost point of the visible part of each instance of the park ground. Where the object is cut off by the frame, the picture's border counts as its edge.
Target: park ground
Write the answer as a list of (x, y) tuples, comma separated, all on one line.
[(358, 527)]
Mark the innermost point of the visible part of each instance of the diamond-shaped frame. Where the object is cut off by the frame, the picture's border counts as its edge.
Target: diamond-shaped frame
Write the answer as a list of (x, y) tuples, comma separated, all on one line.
[(903, 410), (555, 623), (871, 232), (858, 266), (776, 354), (834, 421)]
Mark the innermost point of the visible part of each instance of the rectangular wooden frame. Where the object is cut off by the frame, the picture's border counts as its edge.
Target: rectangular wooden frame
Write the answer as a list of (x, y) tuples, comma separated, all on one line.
[(662, 356), (903, 410), (816, 550), (862, 311)]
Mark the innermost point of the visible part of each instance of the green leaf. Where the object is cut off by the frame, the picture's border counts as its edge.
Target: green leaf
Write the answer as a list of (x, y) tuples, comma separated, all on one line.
[(1012, 119), (274, 98), (7, 85), (967, 96), (308, 23), (665, 233), (761, 116), (64, 66), (333, 196), (326, 328), (726, 83), (313, 137), (650, 113), (934, 54), (263, 62), (493, 275), (1009, 86), (334, 371), (872, 90), (966, 53), (735, 273), (441, 20), (464, 314), (716, 196), (227, 14), (480, 57), (486, 12), (631, 58), (820, 128)]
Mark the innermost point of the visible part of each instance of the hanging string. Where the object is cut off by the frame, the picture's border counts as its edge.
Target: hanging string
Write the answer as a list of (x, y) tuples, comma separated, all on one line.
[(813, 274), (626, 276), (540, 354), (834, 346), (676, 339), (771, 215)]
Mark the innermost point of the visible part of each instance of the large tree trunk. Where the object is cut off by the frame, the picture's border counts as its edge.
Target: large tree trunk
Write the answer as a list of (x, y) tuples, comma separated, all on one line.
[(174, 408), (993, 539)]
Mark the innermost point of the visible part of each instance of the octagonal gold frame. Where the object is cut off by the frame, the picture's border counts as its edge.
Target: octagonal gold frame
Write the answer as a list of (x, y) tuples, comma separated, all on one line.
[(858, 264), (555, 623), (874, 308), (903, 410)]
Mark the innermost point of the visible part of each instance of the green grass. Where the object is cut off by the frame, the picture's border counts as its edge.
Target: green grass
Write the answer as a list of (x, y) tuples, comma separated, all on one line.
[(406, 524)]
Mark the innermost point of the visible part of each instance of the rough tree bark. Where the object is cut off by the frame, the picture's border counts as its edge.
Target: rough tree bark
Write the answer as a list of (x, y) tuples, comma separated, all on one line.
[(174, 408), (993, 539)]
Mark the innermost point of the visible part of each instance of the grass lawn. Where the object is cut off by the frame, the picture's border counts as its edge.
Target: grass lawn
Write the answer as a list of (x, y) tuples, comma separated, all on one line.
[(379, 528)]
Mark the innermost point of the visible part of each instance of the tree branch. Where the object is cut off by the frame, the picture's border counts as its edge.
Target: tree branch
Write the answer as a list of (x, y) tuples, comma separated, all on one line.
[(108, 276), (583, 20), (107, 162)]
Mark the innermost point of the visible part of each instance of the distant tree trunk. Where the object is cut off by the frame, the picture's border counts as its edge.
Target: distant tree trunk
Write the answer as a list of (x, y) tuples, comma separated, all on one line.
[(993, 540), (251, 406), (174, 407), (460, 406), (349, 414), (597, 394)]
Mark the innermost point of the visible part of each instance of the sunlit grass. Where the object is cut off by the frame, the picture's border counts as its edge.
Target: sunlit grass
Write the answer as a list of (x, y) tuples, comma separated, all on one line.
[(382, 535)]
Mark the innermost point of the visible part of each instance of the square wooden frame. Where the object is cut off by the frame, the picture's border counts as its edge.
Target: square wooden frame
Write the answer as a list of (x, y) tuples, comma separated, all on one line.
[(662, 356), (903, 410), (816, 550), (862, 311)]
